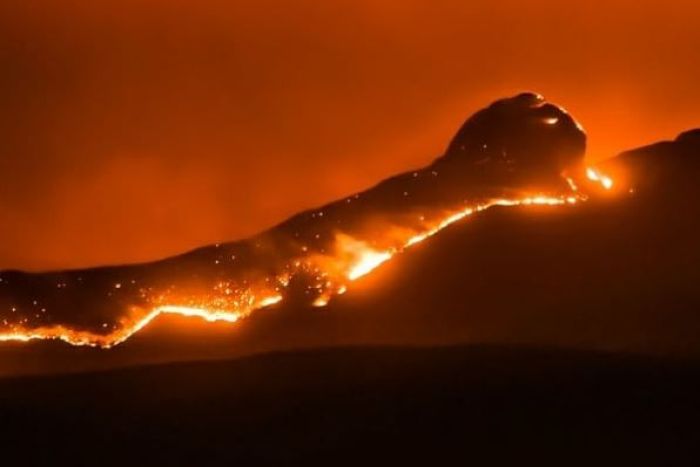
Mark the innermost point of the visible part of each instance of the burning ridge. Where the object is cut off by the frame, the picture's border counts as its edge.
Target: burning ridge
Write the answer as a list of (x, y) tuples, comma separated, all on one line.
[(518, 151)]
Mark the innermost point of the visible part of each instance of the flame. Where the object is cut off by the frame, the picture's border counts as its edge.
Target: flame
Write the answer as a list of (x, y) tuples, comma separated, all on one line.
[(352, 259), (90, 339), (369, 261), (595, 176)]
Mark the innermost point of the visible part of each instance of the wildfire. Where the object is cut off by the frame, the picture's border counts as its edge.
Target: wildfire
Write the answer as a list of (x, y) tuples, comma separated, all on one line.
[(332, 272)]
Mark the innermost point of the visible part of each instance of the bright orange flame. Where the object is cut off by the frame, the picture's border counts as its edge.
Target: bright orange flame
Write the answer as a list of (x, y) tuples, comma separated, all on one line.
[(595, 176), (369, 261)]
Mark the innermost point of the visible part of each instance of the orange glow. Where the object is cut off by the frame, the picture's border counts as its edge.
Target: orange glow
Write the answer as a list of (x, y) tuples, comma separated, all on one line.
[(121, 115)]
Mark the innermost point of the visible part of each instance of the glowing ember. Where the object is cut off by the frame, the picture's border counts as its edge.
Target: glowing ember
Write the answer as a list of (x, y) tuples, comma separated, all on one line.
[(321, 301)]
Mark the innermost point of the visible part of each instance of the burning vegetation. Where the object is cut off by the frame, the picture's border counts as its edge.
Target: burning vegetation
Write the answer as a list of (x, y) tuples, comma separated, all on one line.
[(518, 152)]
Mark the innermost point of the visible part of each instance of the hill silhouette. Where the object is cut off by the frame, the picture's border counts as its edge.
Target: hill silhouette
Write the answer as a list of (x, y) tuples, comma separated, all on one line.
[(485, 405), (513, 149), (615, 273)]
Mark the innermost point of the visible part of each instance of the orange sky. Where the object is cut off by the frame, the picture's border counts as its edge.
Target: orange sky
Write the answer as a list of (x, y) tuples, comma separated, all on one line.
[(134, 129)]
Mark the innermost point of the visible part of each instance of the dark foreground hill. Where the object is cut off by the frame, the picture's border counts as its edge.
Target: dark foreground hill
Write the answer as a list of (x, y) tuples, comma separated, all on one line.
[(369, 406)]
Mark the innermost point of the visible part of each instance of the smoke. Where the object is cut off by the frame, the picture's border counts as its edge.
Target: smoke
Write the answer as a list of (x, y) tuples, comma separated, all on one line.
[(133, 130)]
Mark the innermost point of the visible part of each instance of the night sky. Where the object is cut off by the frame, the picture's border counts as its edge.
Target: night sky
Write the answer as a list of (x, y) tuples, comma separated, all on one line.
[(132, 130)]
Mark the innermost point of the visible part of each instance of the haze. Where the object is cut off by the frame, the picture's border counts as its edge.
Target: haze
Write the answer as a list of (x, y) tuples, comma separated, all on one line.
[(132, 130)]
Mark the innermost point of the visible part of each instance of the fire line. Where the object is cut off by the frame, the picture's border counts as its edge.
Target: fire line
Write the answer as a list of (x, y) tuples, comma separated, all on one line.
[(352, 260)]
